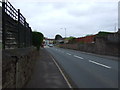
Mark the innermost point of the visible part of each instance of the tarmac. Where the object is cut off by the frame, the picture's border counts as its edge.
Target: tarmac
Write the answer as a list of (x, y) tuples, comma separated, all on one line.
[(46, 73)]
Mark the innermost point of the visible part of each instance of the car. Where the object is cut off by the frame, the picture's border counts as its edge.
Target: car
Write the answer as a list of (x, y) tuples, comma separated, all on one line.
[(50, 45)]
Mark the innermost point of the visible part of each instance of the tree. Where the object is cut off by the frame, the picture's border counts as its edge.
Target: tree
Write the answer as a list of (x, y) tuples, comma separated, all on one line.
[(58, 37), (88, 35), (37, 39), (72, 40), (102, 33)]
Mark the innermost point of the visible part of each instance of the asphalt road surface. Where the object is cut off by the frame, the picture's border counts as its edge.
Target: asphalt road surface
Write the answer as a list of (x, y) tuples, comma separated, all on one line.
[(87, 70)]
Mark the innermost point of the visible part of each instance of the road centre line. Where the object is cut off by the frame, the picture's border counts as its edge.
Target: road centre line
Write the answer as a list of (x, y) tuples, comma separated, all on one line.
[(78, 57), (99, 64), (68, 53)]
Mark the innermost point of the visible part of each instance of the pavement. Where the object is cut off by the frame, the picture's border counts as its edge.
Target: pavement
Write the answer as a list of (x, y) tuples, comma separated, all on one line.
[(87, 70), (0, 69), (46, 73)]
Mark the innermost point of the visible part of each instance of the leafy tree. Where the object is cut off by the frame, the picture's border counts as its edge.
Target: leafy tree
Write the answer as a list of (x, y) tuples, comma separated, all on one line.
[(37, 39), (58, 37), (54, 42), (102, 33), (89, 35), (71, 39)]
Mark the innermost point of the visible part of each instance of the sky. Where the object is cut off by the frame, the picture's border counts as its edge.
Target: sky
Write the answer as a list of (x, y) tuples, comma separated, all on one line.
[(80, 17)]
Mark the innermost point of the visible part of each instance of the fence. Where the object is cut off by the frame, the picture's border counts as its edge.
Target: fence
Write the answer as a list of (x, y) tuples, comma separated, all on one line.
[(0, 28), (16, 32)]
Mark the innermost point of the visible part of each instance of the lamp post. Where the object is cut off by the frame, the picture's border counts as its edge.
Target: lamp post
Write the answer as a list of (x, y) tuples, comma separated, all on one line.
[(65, 37), (65, 31)]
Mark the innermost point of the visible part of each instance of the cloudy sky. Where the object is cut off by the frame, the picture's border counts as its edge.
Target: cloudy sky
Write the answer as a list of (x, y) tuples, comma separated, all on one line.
[(79, 18)]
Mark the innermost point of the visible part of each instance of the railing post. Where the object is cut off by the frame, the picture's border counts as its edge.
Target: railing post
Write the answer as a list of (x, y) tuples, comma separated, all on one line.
[(30, 37), (3, 24), (25, 31), (18, 28)]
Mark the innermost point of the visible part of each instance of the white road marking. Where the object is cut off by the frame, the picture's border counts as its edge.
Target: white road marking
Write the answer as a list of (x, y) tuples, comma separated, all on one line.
[(99, 64), (62, 73), (68, 53), (78, 57)]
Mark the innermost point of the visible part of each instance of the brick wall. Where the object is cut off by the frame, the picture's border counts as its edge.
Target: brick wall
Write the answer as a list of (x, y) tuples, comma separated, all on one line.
[(87, 39)]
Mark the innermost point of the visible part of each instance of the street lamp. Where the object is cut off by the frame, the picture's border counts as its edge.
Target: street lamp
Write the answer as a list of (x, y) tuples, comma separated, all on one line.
[(65, 31)]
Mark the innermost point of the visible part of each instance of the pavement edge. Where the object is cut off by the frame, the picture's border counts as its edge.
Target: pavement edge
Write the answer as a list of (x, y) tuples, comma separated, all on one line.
[(67, 78)]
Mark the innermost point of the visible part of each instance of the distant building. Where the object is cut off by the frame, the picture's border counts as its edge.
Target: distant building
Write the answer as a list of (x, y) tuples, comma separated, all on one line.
[(48, 41), (66, 40), (60, 41)]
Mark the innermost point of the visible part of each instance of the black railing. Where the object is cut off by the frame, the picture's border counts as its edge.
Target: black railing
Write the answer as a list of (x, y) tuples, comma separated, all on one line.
[(16, 32)]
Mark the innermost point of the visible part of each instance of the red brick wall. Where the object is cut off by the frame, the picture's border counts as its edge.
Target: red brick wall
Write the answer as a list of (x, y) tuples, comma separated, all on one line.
[(87, 39)]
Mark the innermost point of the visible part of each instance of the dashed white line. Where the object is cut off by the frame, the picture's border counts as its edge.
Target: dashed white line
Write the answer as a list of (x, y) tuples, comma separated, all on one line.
[(78, 57), (68, 53), (99, 64)]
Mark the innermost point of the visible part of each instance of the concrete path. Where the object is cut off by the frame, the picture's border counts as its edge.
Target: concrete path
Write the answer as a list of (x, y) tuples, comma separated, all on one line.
[(0, 69), (46, 74)]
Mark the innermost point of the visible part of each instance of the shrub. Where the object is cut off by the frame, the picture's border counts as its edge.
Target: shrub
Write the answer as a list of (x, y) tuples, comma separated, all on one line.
[(37, 39)]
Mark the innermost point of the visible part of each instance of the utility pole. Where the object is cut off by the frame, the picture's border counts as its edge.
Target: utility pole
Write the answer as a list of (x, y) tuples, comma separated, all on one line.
[(65, 31), (115, 27)]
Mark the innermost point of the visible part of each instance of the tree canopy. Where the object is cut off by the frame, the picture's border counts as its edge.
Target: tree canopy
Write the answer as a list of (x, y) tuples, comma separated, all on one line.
[(58, 37), (37, 39), (102, 33), (70, 38)]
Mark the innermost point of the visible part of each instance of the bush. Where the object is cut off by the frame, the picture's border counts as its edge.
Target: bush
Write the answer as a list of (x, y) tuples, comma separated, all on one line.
[(103, 33), (37, 39)]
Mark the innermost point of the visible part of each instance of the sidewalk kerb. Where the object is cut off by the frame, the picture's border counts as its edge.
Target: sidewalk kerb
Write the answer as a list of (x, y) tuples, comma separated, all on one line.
[(61, 72)]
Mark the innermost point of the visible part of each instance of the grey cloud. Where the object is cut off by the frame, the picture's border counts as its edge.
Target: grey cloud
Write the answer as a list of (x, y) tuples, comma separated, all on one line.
[(119, 14), (78, 18)]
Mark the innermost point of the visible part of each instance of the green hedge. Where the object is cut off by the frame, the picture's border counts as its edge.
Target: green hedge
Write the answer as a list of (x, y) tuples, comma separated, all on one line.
[(37, 39)]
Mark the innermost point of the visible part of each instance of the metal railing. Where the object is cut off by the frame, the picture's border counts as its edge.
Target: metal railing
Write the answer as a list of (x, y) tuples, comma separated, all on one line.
[(16, 31)]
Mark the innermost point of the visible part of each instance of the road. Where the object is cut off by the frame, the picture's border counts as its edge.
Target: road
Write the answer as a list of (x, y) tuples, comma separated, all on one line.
[(87, 70)]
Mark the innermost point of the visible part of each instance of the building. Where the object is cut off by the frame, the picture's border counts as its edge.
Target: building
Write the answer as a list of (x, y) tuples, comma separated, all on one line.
[(48, 41)]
